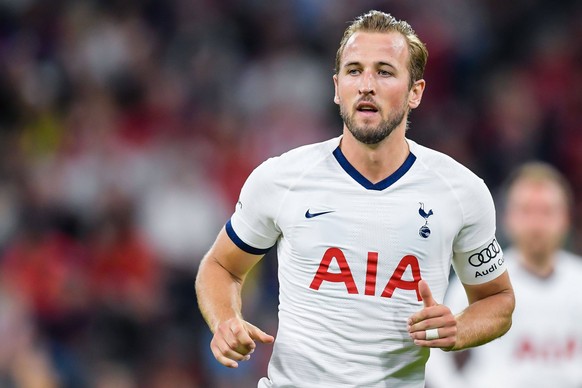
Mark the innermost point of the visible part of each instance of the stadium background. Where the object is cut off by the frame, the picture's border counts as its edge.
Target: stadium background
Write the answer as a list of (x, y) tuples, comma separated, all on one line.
[(128, 127)]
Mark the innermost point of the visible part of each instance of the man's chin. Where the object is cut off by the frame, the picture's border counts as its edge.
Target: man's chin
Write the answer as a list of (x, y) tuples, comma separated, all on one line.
[(369, 136), (368, 118), (539, 250)]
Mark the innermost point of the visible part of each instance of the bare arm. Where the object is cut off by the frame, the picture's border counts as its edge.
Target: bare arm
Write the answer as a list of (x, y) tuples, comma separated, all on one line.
[(487, 317), (218, 288)]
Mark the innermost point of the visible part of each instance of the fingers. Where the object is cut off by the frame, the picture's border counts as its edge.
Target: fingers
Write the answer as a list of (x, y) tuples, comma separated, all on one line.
[(433, 317), (259, 335), (426, 294), (233, 341), (446, 338), (227, 356)]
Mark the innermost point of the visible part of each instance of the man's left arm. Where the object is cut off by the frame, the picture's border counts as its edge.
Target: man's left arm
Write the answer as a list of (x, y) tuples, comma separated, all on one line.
[(488, 315)]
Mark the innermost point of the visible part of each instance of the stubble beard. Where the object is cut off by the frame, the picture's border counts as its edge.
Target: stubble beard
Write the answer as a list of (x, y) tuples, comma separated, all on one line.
[(368, 134), (539, 250)]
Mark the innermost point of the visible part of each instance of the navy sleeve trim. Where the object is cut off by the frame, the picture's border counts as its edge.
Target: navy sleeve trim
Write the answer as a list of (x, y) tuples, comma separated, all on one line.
[(241, 244)]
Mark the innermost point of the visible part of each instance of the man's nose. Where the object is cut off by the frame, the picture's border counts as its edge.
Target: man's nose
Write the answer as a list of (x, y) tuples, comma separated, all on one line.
[(368, 83)]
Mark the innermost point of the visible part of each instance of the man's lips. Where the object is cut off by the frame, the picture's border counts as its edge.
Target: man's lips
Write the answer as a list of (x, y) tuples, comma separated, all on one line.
[(366, 106)]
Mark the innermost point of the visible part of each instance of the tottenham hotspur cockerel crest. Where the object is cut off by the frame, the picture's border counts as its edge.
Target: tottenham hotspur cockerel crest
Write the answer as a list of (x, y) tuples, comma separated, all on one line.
[(424, 230)]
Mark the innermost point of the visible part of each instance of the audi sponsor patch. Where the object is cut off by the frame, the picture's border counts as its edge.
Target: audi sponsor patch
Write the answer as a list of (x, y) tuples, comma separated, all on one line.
[(487, 260), (485, 255), (480, 265)]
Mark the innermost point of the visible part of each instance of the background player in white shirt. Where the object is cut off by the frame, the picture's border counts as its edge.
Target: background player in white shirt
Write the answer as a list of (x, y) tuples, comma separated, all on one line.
[(366, 227), (544, 346)]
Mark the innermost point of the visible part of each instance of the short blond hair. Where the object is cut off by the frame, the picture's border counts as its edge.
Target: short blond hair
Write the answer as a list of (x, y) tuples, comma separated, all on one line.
[(376, 21), (540, 172)]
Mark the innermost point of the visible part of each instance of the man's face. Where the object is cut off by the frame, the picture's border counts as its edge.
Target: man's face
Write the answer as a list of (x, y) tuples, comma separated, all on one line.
[(536, 218), (372, 85)]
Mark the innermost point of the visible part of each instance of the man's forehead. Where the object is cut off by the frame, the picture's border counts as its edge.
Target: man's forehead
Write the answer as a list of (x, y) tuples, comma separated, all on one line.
[(525, 189), (383, 45)]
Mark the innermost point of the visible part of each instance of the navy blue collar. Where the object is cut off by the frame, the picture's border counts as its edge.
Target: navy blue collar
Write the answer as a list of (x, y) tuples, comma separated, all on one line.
[(384, 183)]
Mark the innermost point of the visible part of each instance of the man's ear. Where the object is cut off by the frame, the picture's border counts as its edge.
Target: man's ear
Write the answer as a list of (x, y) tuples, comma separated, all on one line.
[(415, 94), (336, 98)]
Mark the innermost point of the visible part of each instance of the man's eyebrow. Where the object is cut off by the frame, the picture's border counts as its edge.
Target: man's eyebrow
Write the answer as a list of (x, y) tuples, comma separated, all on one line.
[(386, 64), (378, 64)]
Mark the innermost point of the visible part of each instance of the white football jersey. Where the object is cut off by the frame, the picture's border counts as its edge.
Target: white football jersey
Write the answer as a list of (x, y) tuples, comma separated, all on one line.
[(542, 349), (351, 254)]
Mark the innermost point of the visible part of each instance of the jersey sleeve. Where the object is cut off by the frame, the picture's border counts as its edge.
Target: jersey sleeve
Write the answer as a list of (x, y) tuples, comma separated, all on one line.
[(477, 257), (253, 227)]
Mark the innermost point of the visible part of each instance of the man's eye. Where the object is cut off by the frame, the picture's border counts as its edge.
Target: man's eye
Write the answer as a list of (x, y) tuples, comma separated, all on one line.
[(384, 73), (353, 72)]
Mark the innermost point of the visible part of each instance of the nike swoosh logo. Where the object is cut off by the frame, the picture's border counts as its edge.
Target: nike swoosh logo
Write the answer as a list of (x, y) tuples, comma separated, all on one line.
[(311, 215)]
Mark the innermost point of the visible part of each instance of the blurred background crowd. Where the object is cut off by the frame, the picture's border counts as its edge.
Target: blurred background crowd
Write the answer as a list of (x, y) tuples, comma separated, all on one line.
[(127, 128)]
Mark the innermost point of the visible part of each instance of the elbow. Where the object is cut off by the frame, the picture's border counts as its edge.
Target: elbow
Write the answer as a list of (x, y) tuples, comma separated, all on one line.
[(211, 270), (509, 309), (506, 326)]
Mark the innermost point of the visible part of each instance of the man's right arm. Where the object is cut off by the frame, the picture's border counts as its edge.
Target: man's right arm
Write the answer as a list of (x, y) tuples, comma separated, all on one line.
[(219, 283)]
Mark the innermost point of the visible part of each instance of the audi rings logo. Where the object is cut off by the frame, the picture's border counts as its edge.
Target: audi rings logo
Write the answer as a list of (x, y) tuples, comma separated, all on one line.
[(485, 255)]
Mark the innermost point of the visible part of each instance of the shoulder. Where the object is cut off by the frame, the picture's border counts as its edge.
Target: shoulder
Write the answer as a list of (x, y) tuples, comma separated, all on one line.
[(278, 174), (468, 188), (571, 262), (295, 162), (442, 164), (305, 155)]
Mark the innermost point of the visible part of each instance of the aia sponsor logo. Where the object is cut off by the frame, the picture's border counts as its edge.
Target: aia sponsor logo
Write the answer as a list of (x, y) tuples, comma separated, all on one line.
[(345, 276), (556, 349)]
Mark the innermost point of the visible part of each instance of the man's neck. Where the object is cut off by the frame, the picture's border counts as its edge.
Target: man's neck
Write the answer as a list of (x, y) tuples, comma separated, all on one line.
[(542, 267), (377, 161)]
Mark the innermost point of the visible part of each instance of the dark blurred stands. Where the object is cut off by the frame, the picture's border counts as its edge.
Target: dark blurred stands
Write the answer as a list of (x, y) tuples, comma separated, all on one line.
[(128, 127)]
